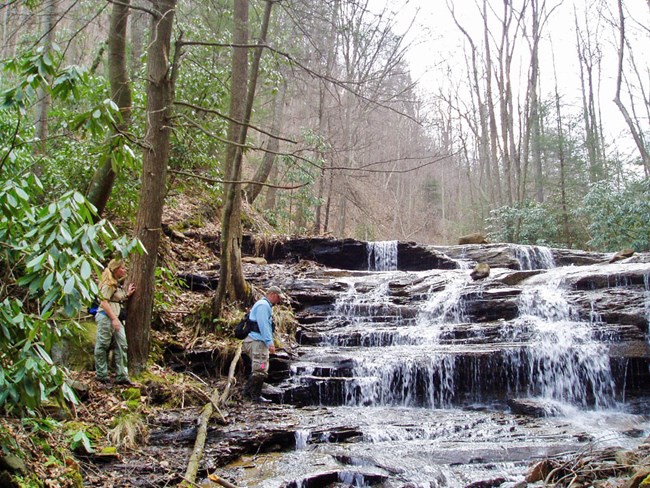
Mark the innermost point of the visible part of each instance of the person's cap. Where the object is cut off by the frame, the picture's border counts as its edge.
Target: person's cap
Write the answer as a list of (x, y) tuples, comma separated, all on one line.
[(278, 291)]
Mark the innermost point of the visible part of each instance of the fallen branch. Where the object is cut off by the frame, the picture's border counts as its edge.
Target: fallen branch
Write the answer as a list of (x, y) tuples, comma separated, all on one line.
[(221, 481), (231, 375), (199, 444)]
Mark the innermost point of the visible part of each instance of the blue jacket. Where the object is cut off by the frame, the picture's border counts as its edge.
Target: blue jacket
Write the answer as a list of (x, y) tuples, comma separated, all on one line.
[(262, 313)]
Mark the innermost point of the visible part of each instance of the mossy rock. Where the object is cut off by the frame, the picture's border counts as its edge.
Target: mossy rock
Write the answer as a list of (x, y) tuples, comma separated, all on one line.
[(77, 352)]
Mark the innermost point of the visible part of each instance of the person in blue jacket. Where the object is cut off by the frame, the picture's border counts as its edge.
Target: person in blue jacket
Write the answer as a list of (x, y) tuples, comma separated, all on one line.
[(259, 343)]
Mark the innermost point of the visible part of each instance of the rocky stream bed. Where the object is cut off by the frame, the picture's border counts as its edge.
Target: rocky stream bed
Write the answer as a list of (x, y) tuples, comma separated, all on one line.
[(422, 376)]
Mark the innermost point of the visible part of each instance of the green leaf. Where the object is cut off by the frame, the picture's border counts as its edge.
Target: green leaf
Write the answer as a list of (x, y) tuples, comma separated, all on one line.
[(37, 262), (86, 270), (69, 286), (47, 284)]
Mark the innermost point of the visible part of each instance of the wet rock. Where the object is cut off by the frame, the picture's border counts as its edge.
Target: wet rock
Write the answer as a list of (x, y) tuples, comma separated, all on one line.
[(540, 471), (480, 271), (338, 478), (532, 407), (623, 254), (575, 257), (516, 277), (411, 257), (476, 238), (487, 483)]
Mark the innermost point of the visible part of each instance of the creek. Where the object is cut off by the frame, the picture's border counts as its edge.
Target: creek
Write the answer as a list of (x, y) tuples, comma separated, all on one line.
[(430, 378)]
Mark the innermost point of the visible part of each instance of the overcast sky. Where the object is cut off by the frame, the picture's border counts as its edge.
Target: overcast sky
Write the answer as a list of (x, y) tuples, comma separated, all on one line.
[(437, 43)]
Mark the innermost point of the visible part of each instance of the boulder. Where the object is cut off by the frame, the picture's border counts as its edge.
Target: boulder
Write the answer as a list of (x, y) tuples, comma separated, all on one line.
[(480, 271), (12, 464), (623, 254), (475, 238), (532, 407)]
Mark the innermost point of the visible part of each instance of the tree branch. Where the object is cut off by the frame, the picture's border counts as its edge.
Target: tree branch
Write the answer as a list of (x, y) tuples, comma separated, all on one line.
[(224, 116), (134, 7), (217, 180), (346, 85)]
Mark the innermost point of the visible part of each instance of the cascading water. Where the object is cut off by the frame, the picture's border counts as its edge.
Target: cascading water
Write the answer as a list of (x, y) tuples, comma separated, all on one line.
[(534, 257), (562, 362), (382, 255), (418, 370)]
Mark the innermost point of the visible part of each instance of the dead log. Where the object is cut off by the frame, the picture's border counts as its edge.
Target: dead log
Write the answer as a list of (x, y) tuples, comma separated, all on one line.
[(206, 413)]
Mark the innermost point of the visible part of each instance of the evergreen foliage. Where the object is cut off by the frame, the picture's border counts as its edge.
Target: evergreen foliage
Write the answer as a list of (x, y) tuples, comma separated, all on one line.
[(52, 249)]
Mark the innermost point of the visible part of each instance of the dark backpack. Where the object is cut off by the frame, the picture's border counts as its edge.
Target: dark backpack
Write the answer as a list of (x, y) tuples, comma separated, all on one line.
[(244, 327)]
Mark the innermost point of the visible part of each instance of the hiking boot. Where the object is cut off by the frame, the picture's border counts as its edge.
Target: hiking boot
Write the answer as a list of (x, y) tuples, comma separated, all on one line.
[(253, 388), (124, 381), (102, 380)]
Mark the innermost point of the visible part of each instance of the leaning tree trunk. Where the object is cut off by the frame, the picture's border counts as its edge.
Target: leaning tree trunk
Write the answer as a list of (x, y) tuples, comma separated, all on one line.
[(637, 135), (154, 172), (231, 275), (102, 182), (253, 190)]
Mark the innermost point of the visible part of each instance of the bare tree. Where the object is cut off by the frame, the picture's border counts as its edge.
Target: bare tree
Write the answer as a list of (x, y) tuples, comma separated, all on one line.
[(632, 126), (101, 185), (231, 276), (590, 57)]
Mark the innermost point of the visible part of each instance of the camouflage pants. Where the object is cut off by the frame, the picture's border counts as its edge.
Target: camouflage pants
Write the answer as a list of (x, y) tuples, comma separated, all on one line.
[(105, 334)]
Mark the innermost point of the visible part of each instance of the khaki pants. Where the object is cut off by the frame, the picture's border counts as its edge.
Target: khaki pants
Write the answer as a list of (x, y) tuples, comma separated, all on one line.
[(258, 352), (105, 333)]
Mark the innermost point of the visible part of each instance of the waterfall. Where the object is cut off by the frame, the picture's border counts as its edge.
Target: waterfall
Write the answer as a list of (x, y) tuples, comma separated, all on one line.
[(646, 284), (562, 361), (431, 378), (446, 306), (302, 438), (382, 255), (534, 257)]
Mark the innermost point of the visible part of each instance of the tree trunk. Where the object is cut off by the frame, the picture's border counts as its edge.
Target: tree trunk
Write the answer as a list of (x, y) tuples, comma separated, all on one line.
[(44, 98), (562, 161), (231, 275), (152, 192), (494, 144), (136, 33), (101, 185), (534, 115), (637, 135), (271, 192), (588, 56), (323, 89), (253, 190)]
